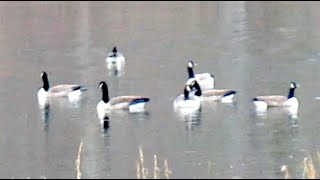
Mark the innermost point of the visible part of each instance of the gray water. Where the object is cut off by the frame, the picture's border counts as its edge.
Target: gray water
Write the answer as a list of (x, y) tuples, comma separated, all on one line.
[(256, 48)]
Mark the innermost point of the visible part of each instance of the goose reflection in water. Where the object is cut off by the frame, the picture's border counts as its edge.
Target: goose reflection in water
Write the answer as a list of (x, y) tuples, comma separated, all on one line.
[(115, 70), (274, 112), (191, 119), (45, 115)]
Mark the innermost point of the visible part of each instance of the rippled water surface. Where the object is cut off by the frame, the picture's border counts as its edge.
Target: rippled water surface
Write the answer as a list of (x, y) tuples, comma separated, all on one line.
[(256, 48)]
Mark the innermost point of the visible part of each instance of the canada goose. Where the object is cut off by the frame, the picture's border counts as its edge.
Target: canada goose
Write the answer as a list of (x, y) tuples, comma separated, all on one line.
[(186, 101), (132, 103), (205, 80), (223, 95), (263, 102), (72, 91), (115, 59)]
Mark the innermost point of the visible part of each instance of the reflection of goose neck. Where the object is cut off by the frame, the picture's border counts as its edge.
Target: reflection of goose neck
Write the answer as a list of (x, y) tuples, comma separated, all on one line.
[(106, 122), (45, 112)]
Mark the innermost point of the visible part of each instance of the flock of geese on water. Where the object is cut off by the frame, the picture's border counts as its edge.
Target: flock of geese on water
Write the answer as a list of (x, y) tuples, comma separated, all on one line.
[(198, 88)]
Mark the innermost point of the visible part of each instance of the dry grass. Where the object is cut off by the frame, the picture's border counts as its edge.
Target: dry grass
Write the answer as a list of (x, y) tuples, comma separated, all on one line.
[(143, 172), (286, 172), (78, 161), (309, 170)]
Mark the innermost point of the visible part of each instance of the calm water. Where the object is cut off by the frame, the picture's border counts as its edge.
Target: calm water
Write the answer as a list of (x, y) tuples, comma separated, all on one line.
[(256, 48)]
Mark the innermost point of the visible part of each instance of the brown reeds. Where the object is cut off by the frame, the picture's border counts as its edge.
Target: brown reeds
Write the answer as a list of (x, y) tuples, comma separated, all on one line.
[(78, 162), (142, 171), (284, 169), (310, 172)]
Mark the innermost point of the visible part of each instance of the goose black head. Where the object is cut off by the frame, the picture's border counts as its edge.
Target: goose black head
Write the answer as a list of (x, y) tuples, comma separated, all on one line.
[(102, 85), (191, 64), (114, 50), (293, 86), (186, 92), (105, 94)]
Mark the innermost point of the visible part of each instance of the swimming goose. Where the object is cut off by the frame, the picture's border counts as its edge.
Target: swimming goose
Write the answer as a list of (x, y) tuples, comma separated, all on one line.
[(115, 58), (263, 102), (186, 101), (206, 80), (222, 95), (72, 91), (132, 103)]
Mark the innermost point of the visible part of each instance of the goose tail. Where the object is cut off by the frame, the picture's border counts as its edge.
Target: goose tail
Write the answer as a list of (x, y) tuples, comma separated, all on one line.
[(138, 105), (255, 99), (81, 88), (139, 100), (230, 93), (228, 97)]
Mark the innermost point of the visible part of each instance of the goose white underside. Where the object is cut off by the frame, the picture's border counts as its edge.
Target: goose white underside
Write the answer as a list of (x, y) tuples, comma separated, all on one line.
[(186, 111), (293, 112), (44, 96), (291, 105), (43, 102), (138, 107), (187, 106), (118, 61), (261, 106), (227, 99), (75, 95), (104, 108)]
